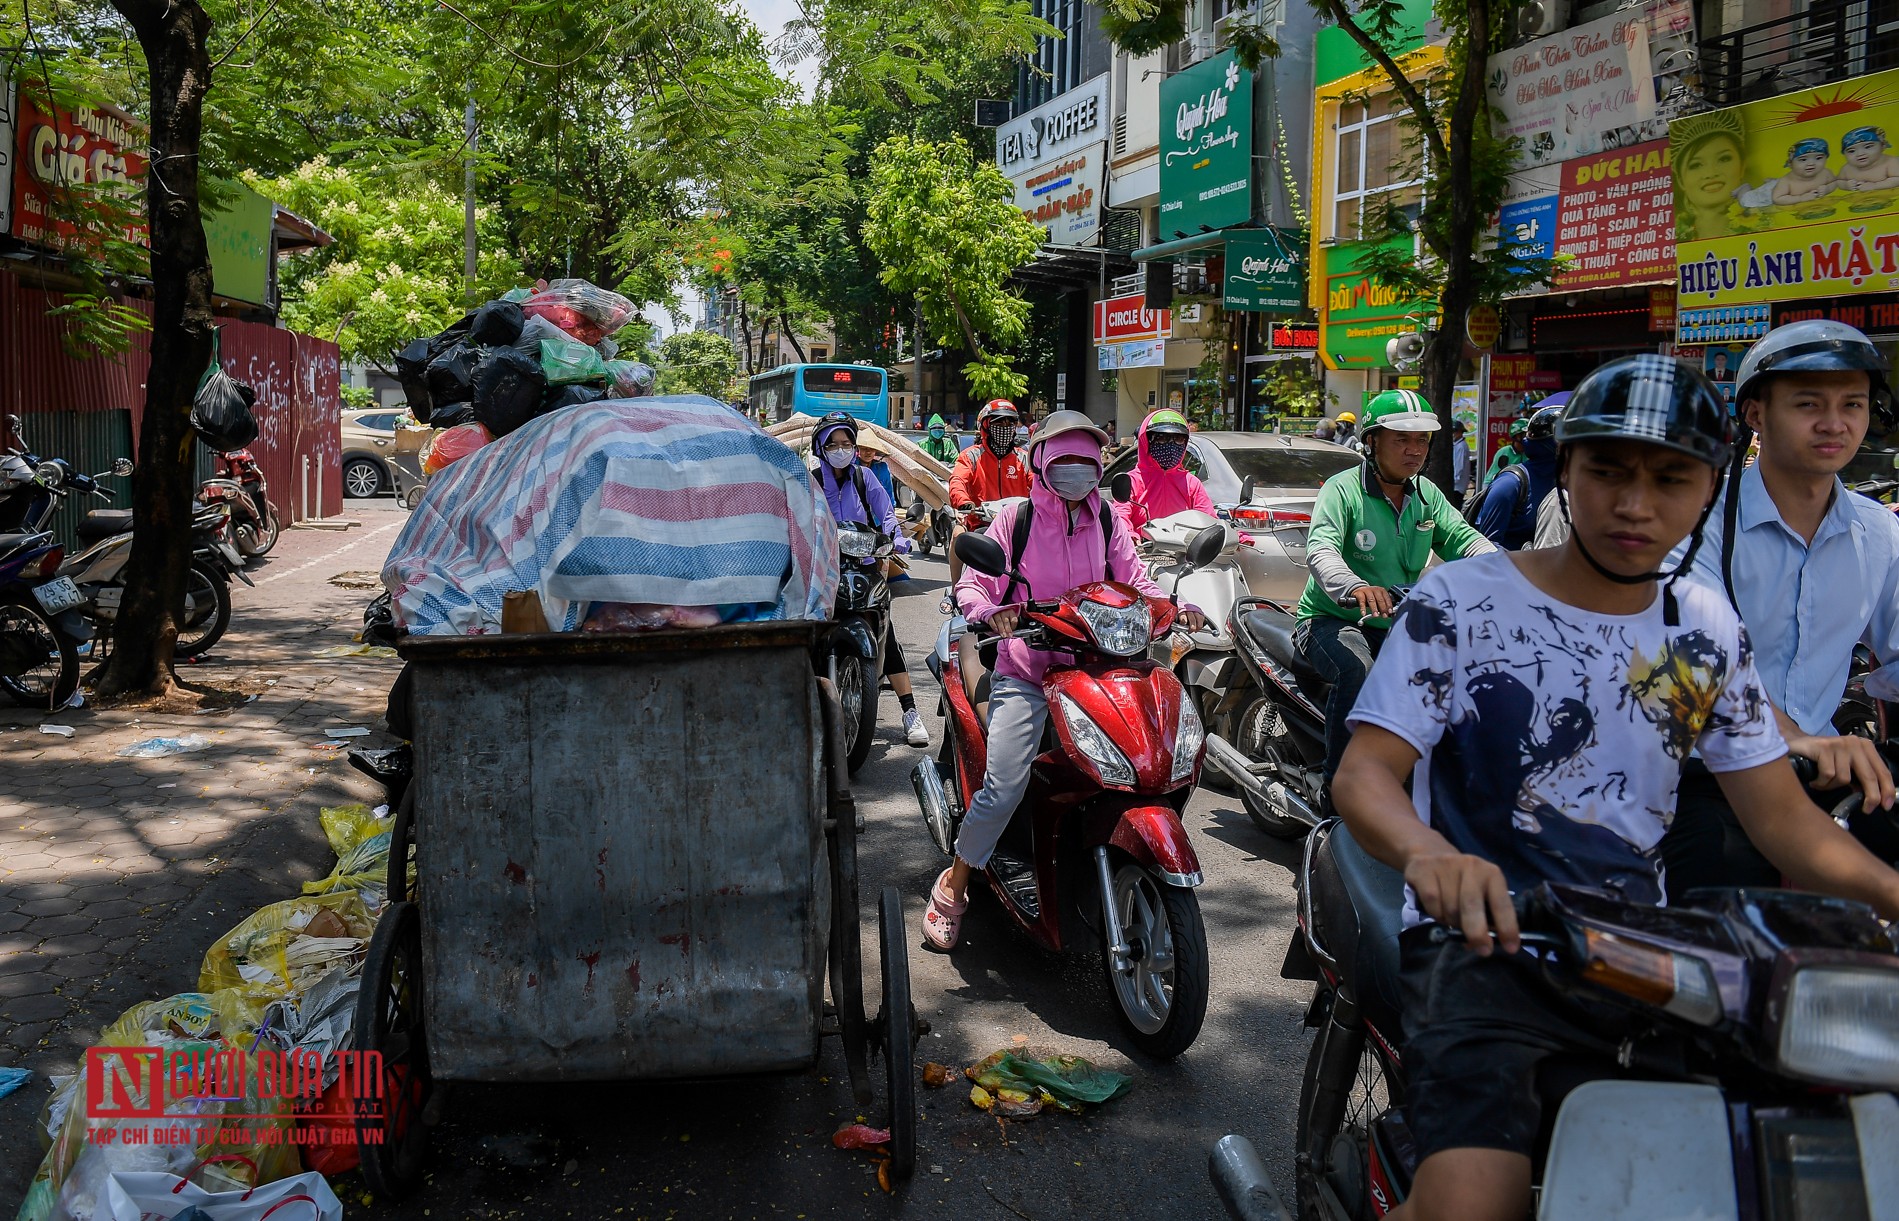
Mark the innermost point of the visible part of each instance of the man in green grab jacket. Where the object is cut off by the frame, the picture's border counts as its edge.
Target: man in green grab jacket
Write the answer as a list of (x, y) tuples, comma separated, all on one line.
[(1374, 528), (938, 443)]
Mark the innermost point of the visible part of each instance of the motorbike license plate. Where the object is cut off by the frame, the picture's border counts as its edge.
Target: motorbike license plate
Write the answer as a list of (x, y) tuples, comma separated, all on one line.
[(58, 595)]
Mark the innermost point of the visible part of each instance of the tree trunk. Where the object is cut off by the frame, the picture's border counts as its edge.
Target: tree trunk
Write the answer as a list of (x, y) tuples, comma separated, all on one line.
[(173, 35), (745, 335), (1464, 229), (784, 322)]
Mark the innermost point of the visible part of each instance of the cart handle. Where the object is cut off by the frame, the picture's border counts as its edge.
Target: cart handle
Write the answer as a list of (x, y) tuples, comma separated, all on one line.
[(837, 774)]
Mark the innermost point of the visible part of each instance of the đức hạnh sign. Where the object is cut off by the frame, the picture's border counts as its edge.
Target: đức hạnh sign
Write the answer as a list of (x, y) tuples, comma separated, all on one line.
[(1789, 197)]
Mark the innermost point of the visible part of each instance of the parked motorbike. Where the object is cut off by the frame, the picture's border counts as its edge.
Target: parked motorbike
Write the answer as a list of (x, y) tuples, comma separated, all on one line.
[(99, 573), (40, 624), (1759, 1034), (1096, 853), (1275, 710), (852, 653), (256, 522)]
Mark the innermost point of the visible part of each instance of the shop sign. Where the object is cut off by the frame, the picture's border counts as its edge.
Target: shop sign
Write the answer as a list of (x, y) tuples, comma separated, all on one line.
[(1527, 229), (1730, 323), (1141, 354), (1789, 197), (1122, 318), (1617, 218), (1509, 383), (1359, 314), (85, 151), (8, 143), (1265, 272), (1206, 147), (1661, 307), (238, 240), (1482, 326), (1061, 126), (1592, 88), (1298, 336), (1875, 314), (1064, 196)]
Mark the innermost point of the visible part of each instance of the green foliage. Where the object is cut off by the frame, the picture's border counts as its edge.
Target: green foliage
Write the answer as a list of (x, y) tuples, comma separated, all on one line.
[(1142, 27), (356, 398), (395, 269), (698, 362), (944, 227), (1291, 387)]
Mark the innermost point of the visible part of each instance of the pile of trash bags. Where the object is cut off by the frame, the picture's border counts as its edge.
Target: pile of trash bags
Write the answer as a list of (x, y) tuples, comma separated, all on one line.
[(284, 981), (668, 512), (528, 353)]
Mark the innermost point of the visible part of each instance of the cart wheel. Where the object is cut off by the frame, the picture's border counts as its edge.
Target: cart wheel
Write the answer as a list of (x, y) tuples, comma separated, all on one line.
[(390, 1133), (896, 1032), (401, 840)]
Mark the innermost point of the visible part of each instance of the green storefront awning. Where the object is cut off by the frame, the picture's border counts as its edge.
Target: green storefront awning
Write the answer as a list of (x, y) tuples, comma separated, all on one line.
[(1186, 245)]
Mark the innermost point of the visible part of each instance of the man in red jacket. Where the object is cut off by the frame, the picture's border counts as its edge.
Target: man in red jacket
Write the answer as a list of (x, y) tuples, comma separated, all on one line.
[(987, 470)]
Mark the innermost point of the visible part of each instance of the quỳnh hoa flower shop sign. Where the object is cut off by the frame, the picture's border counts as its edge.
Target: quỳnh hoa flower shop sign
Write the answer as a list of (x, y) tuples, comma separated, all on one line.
[(1789, 197), (1206, 171)]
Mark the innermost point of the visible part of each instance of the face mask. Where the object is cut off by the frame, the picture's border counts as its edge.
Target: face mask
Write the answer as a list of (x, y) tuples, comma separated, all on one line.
[(1072, 480), (1001, 439), (839, 458), (1167, 451), (937, 433)]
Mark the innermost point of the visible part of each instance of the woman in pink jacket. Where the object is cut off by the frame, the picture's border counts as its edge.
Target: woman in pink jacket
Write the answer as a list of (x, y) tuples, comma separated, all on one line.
[(1162, 484), (1065, 548)]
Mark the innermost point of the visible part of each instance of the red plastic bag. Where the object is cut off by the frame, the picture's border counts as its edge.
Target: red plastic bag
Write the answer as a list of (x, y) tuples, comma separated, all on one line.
[(453, 444), (326, 1130)]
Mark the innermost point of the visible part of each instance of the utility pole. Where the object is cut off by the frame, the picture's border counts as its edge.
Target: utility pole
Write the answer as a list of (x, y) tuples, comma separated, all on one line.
[(468, 202), (916, 366)]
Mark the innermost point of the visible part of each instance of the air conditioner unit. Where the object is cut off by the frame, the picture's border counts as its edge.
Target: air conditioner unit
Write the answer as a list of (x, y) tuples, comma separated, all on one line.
[(1201, 44), (1541, 18)]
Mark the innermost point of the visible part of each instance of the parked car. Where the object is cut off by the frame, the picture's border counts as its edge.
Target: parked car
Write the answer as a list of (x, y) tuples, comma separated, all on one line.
[(367, 435), (1286, 472)]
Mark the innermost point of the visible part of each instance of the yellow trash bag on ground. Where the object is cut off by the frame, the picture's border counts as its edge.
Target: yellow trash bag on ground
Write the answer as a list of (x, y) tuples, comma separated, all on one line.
[(288, 946)]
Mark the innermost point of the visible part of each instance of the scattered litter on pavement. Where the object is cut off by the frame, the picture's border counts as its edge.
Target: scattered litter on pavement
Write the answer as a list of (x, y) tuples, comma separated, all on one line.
[(356, 650), (168, 786), (381, 811), (1018, 1086), (160, 748), (76, 700), (13, 1078), (936, 1076), (58, 731), (350, 731), (859, 1136), (357, 580)]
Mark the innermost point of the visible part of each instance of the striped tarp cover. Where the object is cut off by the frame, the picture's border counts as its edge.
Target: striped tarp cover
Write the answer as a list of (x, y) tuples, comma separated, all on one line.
[(674, 500)]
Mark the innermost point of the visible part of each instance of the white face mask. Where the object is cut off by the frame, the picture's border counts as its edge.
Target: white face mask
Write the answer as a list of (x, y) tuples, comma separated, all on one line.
[(1073, 480), (840, 458)]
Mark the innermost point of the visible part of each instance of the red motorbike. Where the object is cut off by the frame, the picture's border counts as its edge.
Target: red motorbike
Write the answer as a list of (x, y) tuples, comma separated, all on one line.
[(1096, 854), (254, 516)]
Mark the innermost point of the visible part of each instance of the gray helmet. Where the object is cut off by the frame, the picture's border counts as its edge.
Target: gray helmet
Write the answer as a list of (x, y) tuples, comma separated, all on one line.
[(1814, 346), (1061, 422)]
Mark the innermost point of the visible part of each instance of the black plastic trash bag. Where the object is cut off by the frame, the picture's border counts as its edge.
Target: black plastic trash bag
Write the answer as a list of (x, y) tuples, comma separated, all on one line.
[(412, 370), (221, 410), (452, 377), (453, 415), (508, 389), (571, 396), (498, 322)]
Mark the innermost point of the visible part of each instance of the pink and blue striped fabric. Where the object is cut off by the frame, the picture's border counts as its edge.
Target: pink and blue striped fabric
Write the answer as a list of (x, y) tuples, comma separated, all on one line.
[(674, 500)]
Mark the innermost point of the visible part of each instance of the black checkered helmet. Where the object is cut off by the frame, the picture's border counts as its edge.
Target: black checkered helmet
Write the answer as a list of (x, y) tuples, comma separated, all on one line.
[(1814, 346), (1653, 399)]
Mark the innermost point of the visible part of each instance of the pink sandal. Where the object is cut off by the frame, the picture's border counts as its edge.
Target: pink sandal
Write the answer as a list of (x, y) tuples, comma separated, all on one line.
[(943, 918)]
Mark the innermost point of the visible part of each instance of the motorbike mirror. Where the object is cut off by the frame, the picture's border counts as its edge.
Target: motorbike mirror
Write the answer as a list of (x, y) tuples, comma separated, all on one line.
[(122, 467), (982, 553), (1206, 546), (917, 511), (1246, 490), (1121, 487)]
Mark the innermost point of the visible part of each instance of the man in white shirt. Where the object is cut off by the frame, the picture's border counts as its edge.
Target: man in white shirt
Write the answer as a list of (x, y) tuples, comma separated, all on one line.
[(1460, 462)]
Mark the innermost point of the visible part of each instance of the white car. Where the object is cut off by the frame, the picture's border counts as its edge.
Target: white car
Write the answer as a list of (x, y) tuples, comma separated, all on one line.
[(1286, 474)]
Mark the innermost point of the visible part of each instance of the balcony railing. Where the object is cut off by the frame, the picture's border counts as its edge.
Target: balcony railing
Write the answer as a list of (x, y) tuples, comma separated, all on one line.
[(1831, 41)]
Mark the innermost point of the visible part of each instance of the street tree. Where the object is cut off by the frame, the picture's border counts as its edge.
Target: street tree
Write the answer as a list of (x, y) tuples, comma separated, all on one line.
[(697, 362), (945, 228)]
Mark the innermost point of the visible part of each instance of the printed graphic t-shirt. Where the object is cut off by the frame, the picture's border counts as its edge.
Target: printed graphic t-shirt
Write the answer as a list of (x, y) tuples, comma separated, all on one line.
[(1551, 739)]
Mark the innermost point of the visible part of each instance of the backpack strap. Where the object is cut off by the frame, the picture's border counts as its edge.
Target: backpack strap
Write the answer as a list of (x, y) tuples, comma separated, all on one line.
[(1018, 540), (1731, 514)]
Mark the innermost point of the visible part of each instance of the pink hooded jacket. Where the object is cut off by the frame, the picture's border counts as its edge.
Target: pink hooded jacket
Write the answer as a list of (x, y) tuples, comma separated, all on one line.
[(1063, 550), (1159, 493)]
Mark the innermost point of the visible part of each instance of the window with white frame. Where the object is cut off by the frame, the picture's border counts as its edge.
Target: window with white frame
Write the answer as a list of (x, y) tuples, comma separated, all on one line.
[(1376, 165)]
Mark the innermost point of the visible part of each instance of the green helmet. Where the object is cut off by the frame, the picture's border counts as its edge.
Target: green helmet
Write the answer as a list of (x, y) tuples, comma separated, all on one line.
[(1400, 411)]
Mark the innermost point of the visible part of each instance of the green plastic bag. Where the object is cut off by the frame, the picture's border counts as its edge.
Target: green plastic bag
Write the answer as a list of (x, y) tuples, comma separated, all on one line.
[(1066, 1082), (569, 362)]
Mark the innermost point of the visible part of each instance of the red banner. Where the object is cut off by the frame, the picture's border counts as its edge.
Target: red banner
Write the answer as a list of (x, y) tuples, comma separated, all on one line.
[(1120, 319), (82, 152), (1616, 216)]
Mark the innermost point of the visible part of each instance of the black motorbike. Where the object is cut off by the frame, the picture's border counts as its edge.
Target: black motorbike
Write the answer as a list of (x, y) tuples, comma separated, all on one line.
[(851, 654), (1750, 1034), (929, 528)]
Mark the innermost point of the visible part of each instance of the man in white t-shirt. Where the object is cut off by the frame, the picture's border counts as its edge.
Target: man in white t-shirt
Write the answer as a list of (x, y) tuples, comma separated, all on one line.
[(1542, 703)]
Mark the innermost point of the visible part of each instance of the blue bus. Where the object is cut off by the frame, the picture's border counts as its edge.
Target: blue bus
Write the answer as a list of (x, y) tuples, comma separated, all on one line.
[(859, 390)]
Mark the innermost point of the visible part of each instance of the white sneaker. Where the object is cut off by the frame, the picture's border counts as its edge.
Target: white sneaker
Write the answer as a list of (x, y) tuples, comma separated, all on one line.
[(913, 730)]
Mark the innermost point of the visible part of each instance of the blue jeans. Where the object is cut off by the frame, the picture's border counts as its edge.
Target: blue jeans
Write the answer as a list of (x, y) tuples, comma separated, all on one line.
[(1341, 652)]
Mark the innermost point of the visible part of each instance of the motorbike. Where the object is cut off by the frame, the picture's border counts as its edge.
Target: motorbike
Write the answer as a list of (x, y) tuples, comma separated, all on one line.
[(255, 520), (99, 573), (851, 654), (41, 627), (1096, 853), (928, 528), (1275, 709), (1754, 1031)]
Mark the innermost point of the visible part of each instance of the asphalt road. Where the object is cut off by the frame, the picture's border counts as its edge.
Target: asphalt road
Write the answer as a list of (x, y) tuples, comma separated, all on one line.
[(761, 1147)]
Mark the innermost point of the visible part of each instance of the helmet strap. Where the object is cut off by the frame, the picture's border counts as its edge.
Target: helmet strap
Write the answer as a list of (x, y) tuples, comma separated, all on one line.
[(1671, 610)]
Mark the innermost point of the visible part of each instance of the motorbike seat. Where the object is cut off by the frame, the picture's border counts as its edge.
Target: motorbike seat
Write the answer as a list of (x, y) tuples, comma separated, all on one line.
[(15, 541), (1272, 630), (103, 523), (1366, 896)]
